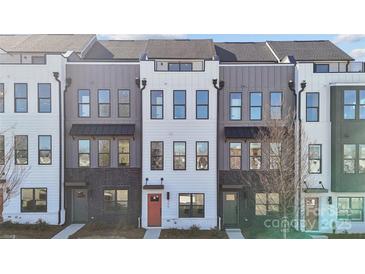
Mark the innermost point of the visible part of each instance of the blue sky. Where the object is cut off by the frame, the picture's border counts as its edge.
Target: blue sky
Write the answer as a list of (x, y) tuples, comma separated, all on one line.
[(353, 44)]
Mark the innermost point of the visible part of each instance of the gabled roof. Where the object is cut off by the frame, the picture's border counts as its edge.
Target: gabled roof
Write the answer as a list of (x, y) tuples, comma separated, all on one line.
[(244, 52), (125, 49), (45, 43), (319, 50)]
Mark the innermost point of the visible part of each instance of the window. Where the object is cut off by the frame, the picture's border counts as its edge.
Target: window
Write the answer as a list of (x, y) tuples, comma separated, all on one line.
[(174, 66), (202, 104), (235, 153), (124, 153), (34, 200), (21, 97), (267, 204), (157, 155), (124, 103), (104, 102), (255, 155), (191, 205), (116, 200), (276, 101), (235, 105), (180, 66), (84, 103), (275, 155), (255, 105), (38, 59), (202, 155), (84, 153), (361, 158), (103, 153), (156, 104), (361, 108), (321, 68), (349, 108), (349, 158), (21, 150), (2, 98), (179, 155), (45, 150), (2, 150), (315, 159), (312, 106), (350, 209), (179, 104), (44, 98)]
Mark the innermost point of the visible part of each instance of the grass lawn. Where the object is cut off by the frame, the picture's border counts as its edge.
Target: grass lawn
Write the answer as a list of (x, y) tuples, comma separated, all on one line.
[(252, 233), (28, 231), (192, 234), (346, 236), (96, 230)]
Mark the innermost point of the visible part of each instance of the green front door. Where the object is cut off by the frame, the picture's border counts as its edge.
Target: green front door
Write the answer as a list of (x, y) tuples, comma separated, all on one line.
[(230, 209), (79, 206)]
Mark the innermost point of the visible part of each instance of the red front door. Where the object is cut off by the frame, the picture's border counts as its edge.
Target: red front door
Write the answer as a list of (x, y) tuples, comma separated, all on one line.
[(154, 209)]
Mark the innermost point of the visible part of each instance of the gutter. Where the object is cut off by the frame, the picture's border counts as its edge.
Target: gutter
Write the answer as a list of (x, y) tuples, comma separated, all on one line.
[(218, 88)]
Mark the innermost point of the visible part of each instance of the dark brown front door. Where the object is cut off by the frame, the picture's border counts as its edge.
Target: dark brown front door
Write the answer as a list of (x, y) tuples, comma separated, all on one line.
[(311, 214), (154, 209)]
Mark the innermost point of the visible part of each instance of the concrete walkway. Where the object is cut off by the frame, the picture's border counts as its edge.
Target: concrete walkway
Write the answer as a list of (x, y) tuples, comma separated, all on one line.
[(234, 233), (68, 231), (152, 233)]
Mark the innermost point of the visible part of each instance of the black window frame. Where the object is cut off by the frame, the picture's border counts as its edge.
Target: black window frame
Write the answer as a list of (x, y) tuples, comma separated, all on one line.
[(157, 105), (116, 201), (83, 153), (234, 107), (350, 209), (179, 66), (315, 68), (255, 106), (155, 156), (273, 156), (179, 156), (315, 159), (124, 153), (124, 104), (16, 150), (80, 104), (307, 94), (2, 149), (361, 105), (267, 203), (102, 104), (20, 98), (235, 156), (45, 98), (360, 159), (191, 205), (47, 150), (2, 97), (276, 106), (196, 156), (354, 160), (252, 156), (104, 153), (33, 200), (197, 105), (178, 105)]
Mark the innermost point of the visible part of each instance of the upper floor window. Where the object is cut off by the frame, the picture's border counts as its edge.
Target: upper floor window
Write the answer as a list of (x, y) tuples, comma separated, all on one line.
[(350, 209), (33, 200), (361, 158), (2, 150), (191, 205), (44, 149), (104, 102), (84, 103), (235, 105), (202, 104), (312, 104), (180, 66), (202, 155), (124, 153), (44, 98), (157, 155), (2, 98), (104, 153), (362, 104), (349, 158), (321, 68), (349, 109), (116, 200), (21, 97), (179, 104), (235, 153), (124, 103), (84, 153), (255, 105), (315, 159), (255, 156), (179, 155), (21, 149), (276, 101), (275, 155), (156, 104)]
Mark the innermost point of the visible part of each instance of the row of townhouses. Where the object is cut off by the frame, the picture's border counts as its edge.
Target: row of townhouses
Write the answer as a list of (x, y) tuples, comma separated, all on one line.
[(160, 133)]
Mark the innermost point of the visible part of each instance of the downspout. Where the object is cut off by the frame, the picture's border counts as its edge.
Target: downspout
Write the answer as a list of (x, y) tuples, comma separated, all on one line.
[(218, 88)]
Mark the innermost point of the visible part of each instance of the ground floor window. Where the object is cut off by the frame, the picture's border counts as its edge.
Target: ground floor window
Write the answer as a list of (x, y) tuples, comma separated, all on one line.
[(350, 209), (191, 205), (266, 203), (115, 200), (34, 200)]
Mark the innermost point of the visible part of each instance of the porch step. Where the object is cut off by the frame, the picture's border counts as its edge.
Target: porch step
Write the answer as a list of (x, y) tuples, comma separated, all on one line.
[(68, 231), (234, 233), (152, 233)]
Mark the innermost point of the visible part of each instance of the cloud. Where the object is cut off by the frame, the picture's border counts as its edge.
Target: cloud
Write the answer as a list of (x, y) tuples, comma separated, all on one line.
[(358, 54), (140, 36), (348, 38)]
